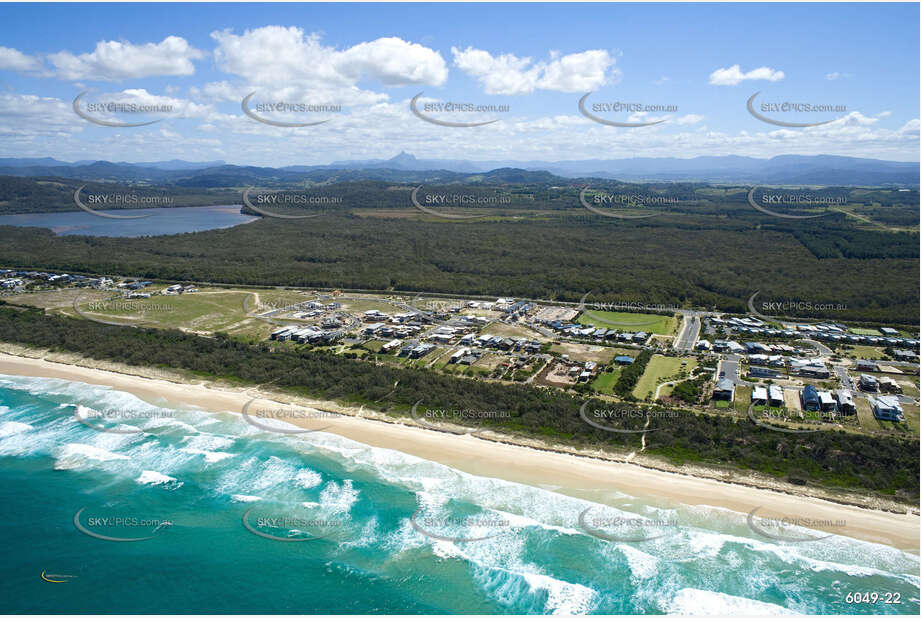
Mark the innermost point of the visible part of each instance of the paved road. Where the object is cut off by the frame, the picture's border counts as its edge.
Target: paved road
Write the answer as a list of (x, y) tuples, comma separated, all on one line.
[(823, 349), (846, 381), (690, 330), (730, 365)]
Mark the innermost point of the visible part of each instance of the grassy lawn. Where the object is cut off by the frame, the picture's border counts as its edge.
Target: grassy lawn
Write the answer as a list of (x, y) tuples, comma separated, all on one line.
[(743, 398), (912, 417), (605, 381), (362, 305), (867, 332), (631, 322), (871, 423), (660, 369), (691, 364), (204, 311), (865, 352), (374, 345)]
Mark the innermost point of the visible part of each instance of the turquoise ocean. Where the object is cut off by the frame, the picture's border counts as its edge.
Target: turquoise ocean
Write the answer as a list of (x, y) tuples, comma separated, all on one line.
[(211, 514)]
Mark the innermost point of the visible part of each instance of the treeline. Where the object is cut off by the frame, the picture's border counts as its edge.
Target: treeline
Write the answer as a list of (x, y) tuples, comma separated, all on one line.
[(630, 375), (829, 458), (33, 195), (688, 261)]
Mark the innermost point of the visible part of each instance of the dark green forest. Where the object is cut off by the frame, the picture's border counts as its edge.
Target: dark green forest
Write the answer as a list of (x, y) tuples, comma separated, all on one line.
[(682, 259)]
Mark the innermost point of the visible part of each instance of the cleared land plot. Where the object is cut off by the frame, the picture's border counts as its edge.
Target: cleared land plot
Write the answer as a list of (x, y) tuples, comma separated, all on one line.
[(361, 305), (867, 332), (666, 391), (743, 399), (871, 423), (513, 330), (606, 380), (582, 352), (659, 369), (630, 322), (864, 352), (549, 314), (58, 299)]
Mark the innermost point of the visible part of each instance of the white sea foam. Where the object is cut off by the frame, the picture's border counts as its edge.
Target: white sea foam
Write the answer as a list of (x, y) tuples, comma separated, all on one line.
[(694, 602), (244, 498), (13, 427), (210, 456), (152, 477), (75, 456), (307, 478)]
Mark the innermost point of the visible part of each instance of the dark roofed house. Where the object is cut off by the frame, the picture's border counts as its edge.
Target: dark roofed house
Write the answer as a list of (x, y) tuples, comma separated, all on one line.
[(725, 390), (810, 397)]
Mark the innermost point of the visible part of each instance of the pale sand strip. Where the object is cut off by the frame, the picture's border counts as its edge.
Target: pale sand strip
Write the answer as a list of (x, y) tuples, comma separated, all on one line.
[(582, 477)]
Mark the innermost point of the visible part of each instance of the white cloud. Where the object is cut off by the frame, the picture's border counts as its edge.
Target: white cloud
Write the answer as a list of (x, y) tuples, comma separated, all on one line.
[(29, 117), (734, 75), (689, 119), (884, 114), (279, 57), (508, 74), (14, 60), (836, 75), (661, 80), (120, 60)]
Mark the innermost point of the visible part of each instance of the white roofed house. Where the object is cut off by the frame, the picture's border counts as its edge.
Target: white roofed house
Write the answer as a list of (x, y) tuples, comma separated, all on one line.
[(845, 402), (775, 396), (827, 403), (391, 345), (759, 396)]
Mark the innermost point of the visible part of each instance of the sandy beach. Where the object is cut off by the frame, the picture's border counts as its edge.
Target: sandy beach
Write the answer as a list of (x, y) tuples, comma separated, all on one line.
[(583, 477)]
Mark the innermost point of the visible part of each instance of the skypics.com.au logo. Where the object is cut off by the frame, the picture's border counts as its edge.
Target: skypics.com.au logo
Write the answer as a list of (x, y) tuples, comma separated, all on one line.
[(788, 109), (121, 527), (638, 110), (770, 201), (274, 203), (434, 418), (114, 201), (102, 112), (455, 109), (264, 112)]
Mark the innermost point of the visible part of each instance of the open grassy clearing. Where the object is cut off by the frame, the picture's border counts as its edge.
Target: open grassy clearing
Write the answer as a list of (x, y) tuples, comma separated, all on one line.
[(660, 369), (582, 352), (630, 322), (606, 380)]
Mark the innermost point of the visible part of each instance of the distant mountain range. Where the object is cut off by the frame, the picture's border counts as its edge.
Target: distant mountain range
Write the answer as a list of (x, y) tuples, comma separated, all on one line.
[(783, 169)]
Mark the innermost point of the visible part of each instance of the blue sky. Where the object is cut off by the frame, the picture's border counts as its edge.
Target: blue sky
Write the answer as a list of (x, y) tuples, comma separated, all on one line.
[(706, 60)]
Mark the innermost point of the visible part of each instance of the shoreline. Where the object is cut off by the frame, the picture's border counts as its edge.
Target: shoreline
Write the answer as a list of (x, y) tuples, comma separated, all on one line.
[(598, 479)]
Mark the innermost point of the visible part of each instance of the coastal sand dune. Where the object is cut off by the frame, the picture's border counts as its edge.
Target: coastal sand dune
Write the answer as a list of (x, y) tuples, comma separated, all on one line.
[(584, 477)]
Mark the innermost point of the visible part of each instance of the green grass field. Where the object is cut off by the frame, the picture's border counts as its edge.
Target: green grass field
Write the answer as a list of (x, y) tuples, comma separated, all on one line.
[(868, 332), (605, 381), (631, 322), (660, 369), (204, 311), (865, 352)]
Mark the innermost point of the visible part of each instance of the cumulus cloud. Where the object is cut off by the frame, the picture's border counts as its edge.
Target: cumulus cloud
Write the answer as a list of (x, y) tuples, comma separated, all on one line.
[(689, 119), (14, 60), (121, 60), (734, 75), (279, 57), (508, 74)]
